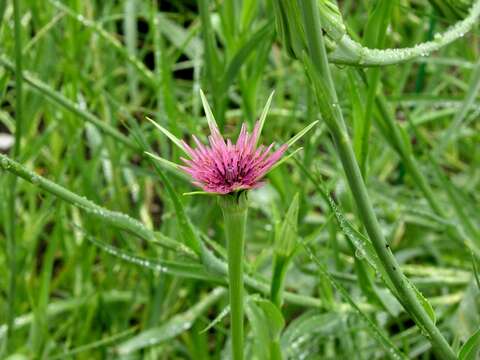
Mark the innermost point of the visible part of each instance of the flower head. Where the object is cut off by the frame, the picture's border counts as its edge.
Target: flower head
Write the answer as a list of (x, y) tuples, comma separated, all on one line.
[(223, 167)]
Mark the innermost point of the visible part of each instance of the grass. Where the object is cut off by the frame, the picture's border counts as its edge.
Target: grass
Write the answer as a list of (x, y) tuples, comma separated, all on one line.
[(364, 244)]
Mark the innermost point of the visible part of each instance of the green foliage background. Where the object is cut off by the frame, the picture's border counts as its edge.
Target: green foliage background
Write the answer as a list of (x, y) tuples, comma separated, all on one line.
[(94, 284)]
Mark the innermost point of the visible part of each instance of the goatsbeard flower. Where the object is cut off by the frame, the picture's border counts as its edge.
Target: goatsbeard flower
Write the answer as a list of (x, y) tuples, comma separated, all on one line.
[(228, 170), (222, 167)]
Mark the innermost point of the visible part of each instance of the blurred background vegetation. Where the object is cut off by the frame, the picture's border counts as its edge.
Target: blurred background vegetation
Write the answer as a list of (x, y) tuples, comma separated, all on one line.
[(93, 70)]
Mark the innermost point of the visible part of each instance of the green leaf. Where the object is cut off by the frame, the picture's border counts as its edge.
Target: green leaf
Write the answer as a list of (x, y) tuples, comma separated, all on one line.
[(192, 193), (471, 349), (375, 35), (47, 92), (303, 330), (267, 323), (178, 268), (377, 24), (261, 337), (423, 300), (407, 145), (274, 318), (220, 317), (357, 112)]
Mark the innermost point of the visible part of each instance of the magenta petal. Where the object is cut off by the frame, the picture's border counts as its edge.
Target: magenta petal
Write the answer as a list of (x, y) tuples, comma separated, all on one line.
[(223, 167)]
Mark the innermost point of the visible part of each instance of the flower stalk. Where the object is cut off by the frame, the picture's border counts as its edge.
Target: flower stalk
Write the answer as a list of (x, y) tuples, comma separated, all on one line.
[(234, 208)]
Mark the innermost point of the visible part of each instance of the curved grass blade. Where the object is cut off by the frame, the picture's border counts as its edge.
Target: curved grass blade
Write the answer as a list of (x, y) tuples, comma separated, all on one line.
[(108, 341), (220, 317), (311, 324), (183, 269), (119, 220)]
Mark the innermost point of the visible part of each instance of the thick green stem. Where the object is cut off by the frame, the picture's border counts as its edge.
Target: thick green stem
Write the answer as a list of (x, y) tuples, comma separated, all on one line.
[(234, 208), (334, 118)]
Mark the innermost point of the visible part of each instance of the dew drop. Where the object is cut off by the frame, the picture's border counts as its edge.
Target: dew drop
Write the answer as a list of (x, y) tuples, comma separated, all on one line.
[(360, 254)]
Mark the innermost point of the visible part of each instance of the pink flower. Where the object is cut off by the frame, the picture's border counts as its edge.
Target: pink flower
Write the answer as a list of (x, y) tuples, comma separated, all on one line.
[(223, 167)]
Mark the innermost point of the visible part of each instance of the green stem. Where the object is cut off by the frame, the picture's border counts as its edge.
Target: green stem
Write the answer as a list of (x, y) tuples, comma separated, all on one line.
[(234, 208), (334, 119)]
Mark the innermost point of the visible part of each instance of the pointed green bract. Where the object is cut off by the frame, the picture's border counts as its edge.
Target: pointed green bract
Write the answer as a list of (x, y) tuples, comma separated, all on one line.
[(191, 193), (263, 116), (212, 124), (162, 160), (285, 158), (172, 137), (297, 137)]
